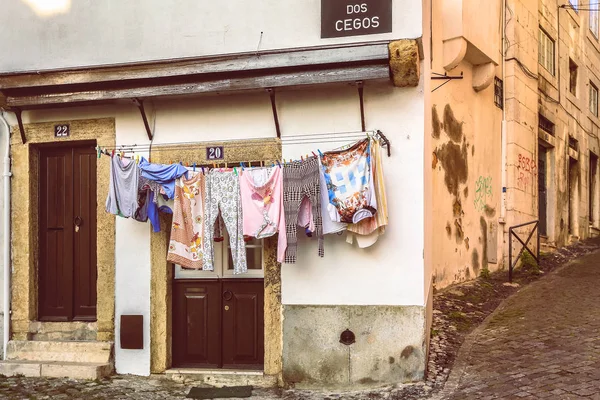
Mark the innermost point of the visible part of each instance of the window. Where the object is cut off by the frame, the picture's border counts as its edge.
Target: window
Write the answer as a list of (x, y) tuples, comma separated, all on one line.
[(224, 265), (546, 51), (574, 4), (594, 25), (545, 124), (572, 77), (498, 92), (593, 99)]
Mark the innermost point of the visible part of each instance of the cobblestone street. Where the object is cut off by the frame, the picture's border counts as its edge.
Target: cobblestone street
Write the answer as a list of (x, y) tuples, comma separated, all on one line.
[(542, 343)]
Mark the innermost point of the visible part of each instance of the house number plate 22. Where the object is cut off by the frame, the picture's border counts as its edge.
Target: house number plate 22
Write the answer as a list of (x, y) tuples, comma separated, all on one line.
[(62, 130), (215, 153)]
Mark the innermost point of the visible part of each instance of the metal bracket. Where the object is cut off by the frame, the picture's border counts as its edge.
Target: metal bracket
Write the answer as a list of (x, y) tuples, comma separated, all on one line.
[(445, 77), (386, 142), (140, 105), (18, 113), (361, 98), (271, 92)]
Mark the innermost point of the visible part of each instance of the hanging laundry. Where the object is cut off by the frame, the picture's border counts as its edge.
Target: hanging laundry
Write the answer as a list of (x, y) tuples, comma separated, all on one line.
[(300, 181), (223, 194), (329, 225), (187, 229), (367, 231), (262, 204), (122, 197), (349, 181), (162, 174)]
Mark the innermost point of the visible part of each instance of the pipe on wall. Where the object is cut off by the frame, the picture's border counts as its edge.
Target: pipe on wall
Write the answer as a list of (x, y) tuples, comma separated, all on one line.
[(6, 228)]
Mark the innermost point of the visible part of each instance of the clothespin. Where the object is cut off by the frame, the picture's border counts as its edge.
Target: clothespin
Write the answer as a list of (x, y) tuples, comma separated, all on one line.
[(235, 171), (214, 165), (321, 154), (242, 166), (181, 163), (194, 167), (314, 154), (203, 170), (249, 164), (307, 157), (113, 153), (278, 164), (121, 155), (302, 158)]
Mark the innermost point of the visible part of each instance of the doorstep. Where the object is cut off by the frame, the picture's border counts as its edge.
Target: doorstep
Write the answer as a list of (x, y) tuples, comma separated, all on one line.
[(222, 377)]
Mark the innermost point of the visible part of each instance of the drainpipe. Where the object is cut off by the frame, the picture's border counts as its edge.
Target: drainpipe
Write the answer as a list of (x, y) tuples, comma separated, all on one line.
[(6, 228), (503, 125)]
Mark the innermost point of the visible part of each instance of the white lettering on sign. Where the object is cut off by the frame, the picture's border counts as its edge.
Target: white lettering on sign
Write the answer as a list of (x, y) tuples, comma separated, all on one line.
[(356, 24), (352, 18)]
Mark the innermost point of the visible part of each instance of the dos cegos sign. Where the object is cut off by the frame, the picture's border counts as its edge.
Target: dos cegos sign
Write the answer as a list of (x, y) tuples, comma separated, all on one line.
[(352, 18)]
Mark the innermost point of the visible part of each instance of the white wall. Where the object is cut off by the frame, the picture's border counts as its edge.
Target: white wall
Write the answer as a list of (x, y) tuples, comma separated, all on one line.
[(391, 271), (91, 32)]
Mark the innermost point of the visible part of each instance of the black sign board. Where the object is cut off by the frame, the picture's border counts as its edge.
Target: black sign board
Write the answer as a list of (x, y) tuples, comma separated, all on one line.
[(215, 153), (355, 17), (62, 130)]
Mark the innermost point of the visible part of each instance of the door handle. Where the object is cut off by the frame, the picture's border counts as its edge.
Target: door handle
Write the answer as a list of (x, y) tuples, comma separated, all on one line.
[(78, 221), (227, 295)]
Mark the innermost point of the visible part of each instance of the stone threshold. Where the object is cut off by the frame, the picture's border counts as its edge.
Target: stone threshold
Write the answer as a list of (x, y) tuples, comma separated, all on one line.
[(222, 377)]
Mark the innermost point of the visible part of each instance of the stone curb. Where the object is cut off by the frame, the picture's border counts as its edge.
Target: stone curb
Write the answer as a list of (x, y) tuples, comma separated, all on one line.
[(460, 366)]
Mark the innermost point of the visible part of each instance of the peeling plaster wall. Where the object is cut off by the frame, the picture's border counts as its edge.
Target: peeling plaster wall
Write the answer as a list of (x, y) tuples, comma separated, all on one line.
[(466, 175)]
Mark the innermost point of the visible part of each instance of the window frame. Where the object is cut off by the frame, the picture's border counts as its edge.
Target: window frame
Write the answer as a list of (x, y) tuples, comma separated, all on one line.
[(546, 43), (221, 261), (594, 22), (573, 67), (593, 90), (574, 5)]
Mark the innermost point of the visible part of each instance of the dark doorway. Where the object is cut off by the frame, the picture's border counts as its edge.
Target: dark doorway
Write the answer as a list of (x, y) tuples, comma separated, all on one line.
[(542, 191), (67, 233), (573, 197), (592, 186), (218, 323)]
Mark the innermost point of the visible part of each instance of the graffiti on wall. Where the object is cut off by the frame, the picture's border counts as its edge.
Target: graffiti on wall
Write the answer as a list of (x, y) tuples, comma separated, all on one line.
[(526, 173), (483, 192)]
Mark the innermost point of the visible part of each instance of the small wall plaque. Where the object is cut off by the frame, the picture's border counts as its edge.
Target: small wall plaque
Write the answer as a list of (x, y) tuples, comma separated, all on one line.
[(132, 332), (62, 130), (215, 153)]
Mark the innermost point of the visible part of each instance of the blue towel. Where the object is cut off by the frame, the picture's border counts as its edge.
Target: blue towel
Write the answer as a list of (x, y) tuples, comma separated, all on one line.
[(162, 174)]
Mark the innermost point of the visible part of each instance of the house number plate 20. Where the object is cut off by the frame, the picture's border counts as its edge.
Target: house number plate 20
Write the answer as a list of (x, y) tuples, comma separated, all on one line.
[(215, 153), (62, 130)]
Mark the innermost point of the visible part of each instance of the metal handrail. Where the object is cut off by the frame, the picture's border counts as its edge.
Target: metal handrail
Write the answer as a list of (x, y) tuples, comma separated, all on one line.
[(511, 233)]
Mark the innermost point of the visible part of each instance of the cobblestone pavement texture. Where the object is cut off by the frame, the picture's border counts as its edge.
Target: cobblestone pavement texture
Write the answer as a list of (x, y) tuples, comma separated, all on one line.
[(542, 343)]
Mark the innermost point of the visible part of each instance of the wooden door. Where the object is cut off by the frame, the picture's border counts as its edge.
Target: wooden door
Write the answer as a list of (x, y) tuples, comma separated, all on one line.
[(243, 323), (67, 234), (542, 191), (197, 324), (218, 323)]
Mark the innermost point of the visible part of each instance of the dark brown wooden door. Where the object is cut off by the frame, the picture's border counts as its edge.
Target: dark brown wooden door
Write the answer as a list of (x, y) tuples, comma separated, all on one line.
[(243, 323), (67, 240), (197, 324), (218, 323)]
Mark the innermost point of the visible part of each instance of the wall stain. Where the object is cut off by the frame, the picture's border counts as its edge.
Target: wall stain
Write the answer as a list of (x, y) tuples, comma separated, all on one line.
[(436, 123), (490, 212), (448, 230), (457, 208), (452, 127), (391, 360), (434, 160), (484, 226), (459, 234), (467, 243), (454, 162), (466, 192), (407, 352), (473, 150), (475, 261)]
